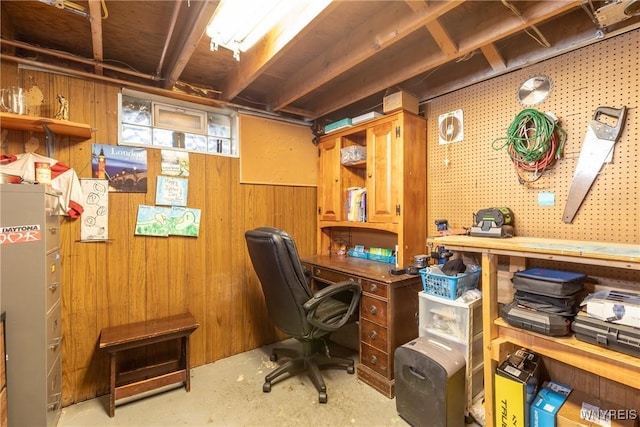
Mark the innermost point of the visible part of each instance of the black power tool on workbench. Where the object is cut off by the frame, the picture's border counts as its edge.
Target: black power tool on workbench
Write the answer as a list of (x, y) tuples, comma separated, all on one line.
[(493, 222)]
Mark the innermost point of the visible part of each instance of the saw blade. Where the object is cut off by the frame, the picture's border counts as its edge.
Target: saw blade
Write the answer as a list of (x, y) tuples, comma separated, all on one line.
[(596, 149), (534, 90), (593, 154)]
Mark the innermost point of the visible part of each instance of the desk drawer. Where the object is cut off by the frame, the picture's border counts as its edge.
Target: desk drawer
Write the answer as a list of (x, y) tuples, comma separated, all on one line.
[(375, 359), (373, 309), (374, 335), (375, 288), (331, 276)]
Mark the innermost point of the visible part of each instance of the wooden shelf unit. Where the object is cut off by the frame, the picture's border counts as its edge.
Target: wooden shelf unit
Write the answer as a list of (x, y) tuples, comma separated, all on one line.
[(394, 176), (34, 124), (498, 336)]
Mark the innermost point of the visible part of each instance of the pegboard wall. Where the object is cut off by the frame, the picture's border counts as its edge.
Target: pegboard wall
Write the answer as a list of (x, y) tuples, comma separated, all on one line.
[(477, 176)]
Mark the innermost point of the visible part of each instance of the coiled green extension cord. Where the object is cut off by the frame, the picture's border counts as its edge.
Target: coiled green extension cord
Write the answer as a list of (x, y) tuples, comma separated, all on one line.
[(534, 141)]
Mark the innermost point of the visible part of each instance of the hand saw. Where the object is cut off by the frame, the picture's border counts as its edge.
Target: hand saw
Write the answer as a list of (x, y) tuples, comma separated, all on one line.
[(597, 147)]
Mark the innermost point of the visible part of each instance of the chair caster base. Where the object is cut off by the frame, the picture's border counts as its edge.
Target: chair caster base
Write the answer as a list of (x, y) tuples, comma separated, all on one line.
[(266, 387), (322, 397)]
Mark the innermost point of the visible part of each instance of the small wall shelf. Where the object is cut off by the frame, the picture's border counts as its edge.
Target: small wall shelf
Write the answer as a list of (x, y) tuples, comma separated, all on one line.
[(34, 124)]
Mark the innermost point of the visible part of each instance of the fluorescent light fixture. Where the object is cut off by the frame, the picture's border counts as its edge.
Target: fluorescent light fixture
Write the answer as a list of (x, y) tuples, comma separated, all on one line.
[(239, 24)]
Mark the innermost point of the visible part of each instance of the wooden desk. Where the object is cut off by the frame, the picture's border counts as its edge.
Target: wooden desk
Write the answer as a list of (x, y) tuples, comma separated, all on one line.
[(498, 336), (388, 312), (134, 335)]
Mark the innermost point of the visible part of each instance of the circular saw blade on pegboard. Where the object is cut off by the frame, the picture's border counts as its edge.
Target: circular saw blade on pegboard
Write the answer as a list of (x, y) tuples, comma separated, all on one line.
[(534, 90), (451, 127)]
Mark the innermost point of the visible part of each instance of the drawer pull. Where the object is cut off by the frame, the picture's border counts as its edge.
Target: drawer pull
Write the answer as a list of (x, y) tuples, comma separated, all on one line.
[(54, 286), (373, 360), (373, 335), (55, 343), (373, 288), (54, 230), (373, 309), (318, 271)]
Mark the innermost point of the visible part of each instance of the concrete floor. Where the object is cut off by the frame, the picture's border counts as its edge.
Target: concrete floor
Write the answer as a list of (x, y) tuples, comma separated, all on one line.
[(229, 393)]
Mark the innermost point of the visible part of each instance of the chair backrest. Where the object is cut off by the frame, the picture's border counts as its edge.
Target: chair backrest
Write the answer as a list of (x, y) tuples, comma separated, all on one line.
[(275, 259)]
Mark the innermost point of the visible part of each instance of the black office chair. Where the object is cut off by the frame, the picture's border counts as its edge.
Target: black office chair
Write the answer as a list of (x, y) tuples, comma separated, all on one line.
[(306, 315)]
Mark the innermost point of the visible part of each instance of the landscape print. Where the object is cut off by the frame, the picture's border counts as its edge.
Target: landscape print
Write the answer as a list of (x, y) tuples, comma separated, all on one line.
[(163, 221)]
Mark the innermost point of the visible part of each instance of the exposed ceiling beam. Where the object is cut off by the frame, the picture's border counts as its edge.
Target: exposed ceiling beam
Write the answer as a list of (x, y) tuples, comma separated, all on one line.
[(95, 17), (579, 38), (357, 47), (437, 31), (408, 67), (494, 57), (167, 41), (200, 15), (276, 43), (442, 37)]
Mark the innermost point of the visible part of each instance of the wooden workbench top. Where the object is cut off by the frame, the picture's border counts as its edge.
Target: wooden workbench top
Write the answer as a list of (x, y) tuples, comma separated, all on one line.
[(621, 252)]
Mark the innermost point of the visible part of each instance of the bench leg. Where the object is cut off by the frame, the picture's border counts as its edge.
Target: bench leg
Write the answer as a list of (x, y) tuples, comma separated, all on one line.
[(187, 365), (112, 385)]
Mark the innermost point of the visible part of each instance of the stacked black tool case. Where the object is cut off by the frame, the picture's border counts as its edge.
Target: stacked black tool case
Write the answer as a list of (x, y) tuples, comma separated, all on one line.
[(622, 338), (545, 301)]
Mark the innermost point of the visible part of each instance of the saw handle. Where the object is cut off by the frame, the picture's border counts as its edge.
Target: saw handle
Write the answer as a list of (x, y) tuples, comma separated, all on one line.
[(603, 130)]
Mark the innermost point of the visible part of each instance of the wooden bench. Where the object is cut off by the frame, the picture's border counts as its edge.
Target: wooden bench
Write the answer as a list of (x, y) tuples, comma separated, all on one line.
[(135, 335)]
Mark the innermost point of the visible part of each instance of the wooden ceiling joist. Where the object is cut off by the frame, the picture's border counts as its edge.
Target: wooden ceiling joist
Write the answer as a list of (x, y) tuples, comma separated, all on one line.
[(357, 48), (437, 31), (494, 57), (200, 15), (95, 17), (275, 44), (379, 80)]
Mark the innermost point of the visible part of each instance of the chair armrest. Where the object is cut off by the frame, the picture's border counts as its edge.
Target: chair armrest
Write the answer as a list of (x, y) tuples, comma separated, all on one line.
[(326, 293)]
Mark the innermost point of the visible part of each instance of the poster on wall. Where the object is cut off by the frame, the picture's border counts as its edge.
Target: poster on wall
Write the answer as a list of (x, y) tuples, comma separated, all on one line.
[(125, 168), (184, 222), (171, 191), (153, 221), (174, 163), (94, 221), (164, 221)]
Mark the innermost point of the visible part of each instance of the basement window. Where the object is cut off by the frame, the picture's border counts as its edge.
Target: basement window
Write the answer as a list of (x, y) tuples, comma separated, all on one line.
[(154, 121)]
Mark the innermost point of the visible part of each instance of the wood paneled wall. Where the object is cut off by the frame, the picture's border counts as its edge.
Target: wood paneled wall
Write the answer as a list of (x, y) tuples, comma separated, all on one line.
[(132, 278)]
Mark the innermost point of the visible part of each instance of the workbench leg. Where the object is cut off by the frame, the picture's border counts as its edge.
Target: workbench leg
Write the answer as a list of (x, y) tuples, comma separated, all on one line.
[(489, 329), (112, 385)]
